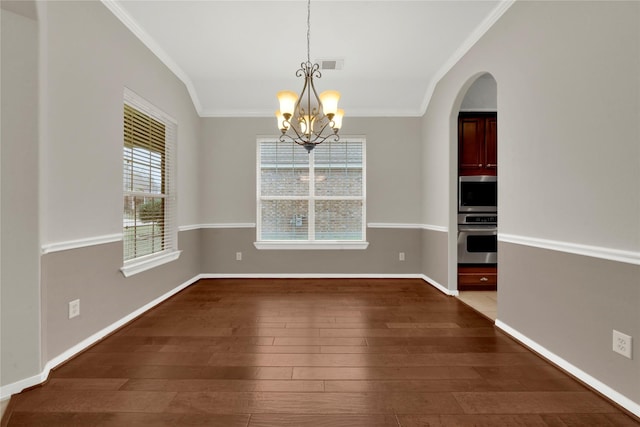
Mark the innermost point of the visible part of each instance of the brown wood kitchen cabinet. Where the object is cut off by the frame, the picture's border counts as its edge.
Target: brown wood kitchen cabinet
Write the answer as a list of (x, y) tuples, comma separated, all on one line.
[(477, 143), (475, 278)]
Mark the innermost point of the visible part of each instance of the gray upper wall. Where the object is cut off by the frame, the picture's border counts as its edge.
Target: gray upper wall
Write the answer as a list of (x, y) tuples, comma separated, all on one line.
[(20, 252), (90, 57), (482, 95), (568, 128), (228, 167)]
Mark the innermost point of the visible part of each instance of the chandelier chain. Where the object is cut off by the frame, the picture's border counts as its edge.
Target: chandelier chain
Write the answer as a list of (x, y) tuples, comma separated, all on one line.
[(308, 30)]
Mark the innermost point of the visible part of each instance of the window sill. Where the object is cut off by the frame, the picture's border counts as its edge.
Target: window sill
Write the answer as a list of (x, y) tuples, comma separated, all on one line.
[(288, 245), (146, 263)]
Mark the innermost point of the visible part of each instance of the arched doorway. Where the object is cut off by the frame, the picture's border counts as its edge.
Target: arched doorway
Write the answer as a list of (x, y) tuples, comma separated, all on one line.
[(474, 182)]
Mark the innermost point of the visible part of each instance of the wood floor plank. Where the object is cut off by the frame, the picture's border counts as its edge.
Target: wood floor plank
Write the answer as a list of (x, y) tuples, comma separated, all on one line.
[(310, 352), (45, 400), (382, 373), (420, 386), (532, 402), (348, 349), (192, 385), (580, 420), (473, 421), (288, 420), (319, 341), (131, 419), (176, 372), (148, 358), (86, 383), (271, 403), (420, 325), (385, 359), (413, 332)]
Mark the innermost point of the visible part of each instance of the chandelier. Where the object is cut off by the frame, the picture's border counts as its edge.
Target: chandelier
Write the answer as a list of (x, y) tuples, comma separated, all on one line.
[(309, 119)]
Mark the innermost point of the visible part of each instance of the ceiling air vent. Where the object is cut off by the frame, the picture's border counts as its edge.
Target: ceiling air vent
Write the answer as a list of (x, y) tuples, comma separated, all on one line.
[(331, 64)]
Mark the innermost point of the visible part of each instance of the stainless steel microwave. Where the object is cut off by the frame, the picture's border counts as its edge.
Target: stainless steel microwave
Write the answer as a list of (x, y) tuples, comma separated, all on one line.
[(478, 193)]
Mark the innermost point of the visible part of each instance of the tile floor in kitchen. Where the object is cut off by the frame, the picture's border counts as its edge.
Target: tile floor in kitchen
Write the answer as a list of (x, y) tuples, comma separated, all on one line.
[(486, 302)]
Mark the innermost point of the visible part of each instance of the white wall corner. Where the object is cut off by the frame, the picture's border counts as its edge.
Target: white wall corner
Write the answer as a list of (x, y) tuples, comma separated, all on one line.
[(438, 286)]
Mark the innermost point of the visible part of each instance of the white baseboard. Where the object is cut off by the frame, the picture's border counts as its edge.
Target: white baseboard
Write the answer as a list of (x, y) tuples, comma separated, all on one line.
[(10, 389), (438, 286), (427, 279), (607, 391), (307, 276)]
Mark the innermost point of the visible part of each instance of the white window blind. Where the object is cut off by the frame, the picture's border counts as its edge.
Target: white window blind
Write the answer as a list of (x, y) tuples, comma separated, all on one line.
[(149, 216), (311, 197)]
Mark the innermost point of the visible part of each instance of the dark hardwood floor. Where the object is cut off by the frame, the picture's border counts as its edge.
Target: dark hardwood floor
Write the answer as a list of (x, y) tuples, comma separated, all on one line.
[(321, 352)]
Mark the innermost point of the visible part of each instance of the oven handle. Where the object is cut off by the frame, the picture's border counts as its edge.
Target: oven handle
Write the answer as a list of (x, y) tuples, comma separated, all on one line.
[(489, 229)]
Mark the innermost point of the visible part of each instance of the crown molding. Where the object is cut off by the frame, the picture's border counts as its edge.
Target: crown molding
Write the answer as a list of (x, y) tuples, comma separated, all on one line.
[(128, 21), (362, 112), (473, 38)]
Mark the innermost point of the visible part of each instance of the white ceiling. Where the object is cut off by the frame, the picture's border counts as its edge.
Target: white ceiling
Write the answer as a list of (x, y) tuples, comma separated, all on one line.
[(235, 55)]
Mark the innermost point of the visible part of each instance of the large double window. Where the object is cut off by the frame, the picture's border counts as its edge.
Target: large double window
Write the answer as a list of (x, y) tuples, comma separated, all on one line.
[(149, 222), (312, 199)]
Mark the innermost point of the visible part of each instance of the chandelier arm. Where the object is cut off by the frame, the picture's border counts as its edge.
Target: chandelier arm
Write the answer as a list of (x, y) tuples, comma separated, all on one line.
[(301, 71), (319, 139), (284, 137), (315, 70), (317, 135), (299, 135), (296, 108), (313, 88)]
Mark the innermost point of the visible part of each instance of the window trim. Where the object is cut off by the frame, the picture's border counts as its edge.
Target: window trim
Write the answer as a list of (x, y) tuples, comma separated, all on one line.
[(312, 244), (146, 262)]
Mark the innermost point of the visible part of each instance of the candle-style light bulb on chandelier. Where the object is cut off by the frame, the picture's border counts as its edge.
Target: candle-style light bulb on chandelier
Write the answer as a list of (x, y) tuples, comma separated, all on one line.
[(309, 119)]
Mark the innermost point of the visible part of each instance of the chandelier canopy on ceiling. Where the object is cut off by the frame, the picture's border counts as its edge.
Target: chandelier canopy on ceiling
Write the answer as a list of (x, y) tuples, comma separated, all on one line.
[(309, 119)]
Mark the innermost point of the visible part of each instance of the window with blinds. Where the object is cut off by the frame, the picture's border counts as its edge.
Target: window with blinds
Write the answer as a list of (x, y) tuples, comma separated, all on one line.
[(311, 197), (149, 226)]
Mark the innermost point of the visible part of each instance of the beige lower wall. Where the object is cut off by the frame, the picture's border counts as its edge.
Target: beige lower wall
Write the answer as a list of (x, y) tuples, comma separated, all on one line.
[(92, 274), (434, 257), (570, 304), (219, 247)]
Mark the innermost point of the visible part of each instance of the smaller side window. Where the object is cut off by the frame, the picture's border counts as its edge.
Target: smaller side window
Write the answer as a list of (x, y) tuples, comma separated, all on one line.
[(149, 226)]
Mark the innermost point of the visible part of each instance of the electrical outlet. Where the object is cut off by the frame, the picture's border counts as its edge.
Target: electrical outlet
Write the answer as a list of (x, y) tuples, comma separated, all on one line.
[(622, 344), (74, 308), (238, 256), (401, 256)]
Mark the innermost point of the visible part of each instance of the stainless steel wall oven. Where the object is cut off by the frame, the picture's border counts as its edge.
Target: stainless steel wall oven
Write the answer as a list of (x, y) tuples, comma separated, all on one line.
[(477, 238)]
